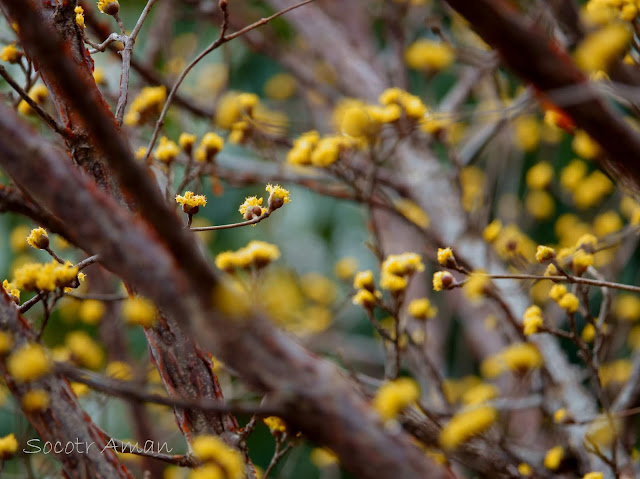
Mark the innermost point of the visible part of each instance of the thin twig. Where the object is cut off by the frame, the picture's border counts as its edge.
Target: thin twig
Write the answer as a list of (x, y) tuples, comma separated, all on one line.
[(48, 119), (222, 38)]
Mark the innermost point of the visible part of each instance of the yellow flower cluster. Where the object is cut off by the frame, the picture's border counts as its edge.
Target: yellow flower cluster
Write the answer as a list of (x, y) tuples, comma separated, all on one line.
[(191, 202), (509, 242), (527, 132), (91, 311), (443, 280), (275, 424), (466, 424), (38, 239), (600, 49), (544, 254), (532, 320), (626, 307), (366, 294), (252, 208), (429, 55), (48, 276), (395, 396), (397, 269), (79, 11), (8, 446), (519, 357), (278, 196), (345, 268), (38, 94), (210, 145), (139, 311), (12, 290), (119, 370), (36, 400), (422, 309), (257, 254), (280, 86), (10, 54), (220, 460), (553, 458), (28, 363), (109, 7), (446, 257), (472, 182), (166, 151), (412, 106), (85, 352), (615, 372), (310, 149), (149, 102)]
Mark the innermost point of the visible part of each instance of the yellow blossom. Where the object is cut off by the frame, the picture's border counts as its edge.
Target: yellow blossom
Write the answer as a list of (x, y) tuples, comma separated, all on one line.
[(357, 123), (580, 261), (607, 223), (572, 174), (166, 151), (524, 469), (626, 307), (256, 254), (323, 457), (84, 351), (553, 458), (426, 54), (280, 86), (479, 394), (119, 370), (421, 309), (527, 133), (615, 372), (275, 424), (79, 11), (395, 396), (38, 239), (186, 141), (588, 333), (364, 280), (145, 105), (392, 282), (303, 147), (10, 54), (278, 196), (139, 311), (12, 290), (212, 449), (6, 342), (545, 254), (8, 447), (209, 147), (569, 302), (110, 7), (36, 400), (584, 146), (592, 190), (402, 264), (445, 257), (540, 175), (91, 311), (191, 202), (557, 291), (491, 231), (466, 424), (38, 93), (327, 151), (593, 475), (442, 280), (540, 204), (251, 208), (364, 298), (601, 48), (345, 268), (532, 320), (28, 363), (518, 358), (559, 416)]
